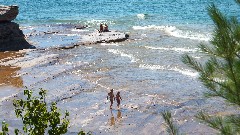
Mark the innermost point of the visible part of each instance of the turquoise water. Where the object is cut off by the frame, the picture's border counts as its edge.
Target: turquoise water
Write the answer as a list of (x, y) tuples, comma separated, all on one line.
[(167, 12)]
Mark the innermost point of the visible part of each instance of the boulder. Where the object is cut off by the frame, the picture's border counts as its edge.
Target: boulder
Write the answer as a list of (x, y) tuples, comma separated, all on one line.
[(11, 37), (8, 13)]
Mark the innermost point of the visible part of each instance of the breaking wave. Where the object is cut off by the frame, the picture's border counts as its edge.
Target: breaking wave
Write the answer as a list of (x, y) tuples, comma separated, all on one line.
[(131, 57), (176, 69), (172, 49), (175, 32)]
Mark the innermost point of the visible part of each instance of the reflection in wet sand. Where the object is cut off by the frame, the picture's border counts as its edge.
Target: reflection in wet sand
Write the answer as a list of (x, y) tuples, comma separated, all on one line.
[(119, 115), (9, 73), (114, 121)]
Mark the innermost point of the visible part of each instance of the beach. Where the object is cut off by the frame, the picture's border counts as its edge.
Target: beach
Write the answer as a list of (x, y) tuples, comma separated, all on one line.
[(146, 68)]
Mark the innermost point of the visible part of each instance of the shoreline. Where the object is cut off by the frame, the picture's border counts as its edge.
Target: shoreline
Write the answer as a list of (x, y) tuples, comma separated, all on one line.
[(79, 79)]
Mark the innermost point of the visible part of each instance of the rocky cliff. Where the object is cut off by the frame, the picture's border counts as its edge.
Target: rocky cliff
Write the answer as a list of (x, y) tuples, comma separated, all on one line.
[(11, 37)]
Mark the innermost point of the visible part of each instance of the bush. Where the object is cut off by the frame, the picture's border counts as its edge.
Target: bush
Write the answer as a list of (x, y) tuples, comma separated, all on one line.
[(37, 118)]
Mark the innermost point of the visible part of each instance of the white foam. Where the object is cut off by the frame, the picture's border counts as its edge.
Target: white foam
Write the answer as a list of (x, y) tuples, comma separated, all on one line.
[(98, 22), (131, 57), (141, 16), (173, 49), (174, 31), (147, 27), (176, 69), (188, 34), (79, 30)]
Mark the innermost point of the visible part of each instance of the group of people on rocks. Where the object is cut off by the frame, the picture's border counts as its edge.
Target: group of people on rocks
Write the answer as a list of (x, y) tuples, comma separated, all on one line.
[(111, 97), (103, 28)]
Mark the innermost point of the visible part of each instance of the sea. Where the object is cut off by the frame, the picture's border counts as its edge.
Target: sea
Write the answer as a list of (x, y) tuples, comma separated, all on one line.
[(147, 68)]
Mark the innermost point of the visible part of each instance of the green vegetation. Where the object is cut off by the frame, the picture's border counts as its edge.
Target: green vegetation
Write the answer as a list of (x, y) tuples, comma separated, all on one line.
[(37, 118), (171, 128), (4, 129), (220, 73)]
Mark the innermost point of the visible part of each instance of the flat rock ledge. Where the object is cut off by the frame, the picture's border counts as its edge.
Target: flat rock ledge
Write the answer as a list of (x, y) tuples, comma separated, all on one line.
[(11, 37), (99, 37), (105, 37)]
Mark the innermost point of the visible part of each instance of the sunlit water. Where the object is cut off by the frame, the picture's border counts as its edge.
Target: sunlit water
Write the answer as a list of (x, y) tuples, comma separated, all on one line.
[(146, 69)]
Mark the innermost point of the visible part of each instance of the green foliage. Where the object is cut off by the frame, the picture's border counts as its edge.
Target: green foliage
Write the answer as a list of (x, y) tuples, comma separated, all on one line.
[(83, 133), (220, 123), (220, 73), (4, 129), (171, 128), (36, 118)]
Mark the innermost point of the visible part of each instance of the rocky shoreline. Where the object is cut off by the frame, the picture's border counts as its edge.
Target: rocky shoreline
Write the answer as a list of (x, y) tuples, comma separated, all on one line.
[(13, 39)]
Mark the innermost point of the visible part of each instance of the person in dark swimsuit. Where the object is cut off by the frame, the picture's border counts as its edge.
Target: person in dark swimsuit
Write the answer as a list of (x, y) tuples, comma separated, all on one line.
[(118, 98), (111, 97)]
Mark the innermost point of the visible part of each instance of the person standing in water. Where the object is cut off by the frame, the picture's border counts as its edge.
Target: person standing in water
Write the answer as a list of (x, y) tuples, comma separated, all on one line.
[(111, 97), (118, 98)]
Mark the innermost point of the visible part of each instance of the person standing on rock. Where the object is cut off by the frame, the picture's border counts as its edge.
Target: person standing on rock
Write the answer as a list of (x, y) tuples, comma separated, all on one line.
[(101, 28), (111, 97), (106, 28)]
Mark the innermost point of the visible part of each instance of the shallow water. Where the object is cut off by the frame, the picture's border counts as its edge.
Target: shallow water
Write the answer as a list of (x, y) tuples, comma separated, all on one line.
[(146, 68)]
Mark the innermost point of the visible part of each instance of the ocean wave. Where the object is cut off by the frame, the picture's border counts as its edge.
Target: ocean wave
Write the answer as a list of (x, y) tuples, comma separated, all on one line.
[(98, 22), (175, 32), (148, 27), (176, 69), (141, 16), (173, 49), (131, 57)]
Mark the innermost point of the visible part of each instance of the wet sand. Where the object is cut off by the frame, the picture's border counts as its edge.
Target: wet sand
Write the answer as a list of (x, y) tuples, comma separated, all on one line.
[(9, 75)]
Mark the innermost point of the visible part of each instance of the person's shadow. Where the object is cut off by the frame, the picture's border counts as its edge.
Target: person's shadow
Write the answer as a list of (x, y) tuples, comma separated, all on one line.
[(114, 120)]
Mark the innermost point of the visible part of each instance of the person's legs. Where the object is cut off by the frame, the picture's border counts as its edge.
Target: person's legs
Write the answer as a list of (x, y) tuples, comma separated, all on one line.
[(118, 103), (111, 100)]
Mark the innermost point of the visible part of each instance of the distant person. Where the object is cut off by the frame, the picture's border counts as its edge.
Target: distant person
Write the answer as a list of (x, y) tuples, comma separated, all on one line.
[(101, 28), (111, 97), (105, 28), (118, 98)]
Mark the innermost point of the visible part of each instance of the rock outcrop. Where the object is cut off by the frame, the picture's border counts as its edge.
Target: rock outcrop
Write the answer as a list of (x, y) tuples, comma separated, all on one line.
[(8, 13), (11, 37)]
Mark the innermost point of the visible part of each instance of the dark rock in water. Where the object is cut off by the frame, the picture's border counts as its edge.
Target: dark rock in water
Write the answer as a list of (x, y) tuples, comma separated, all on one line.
[(8, 13), (80, 26), (12, 38)]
